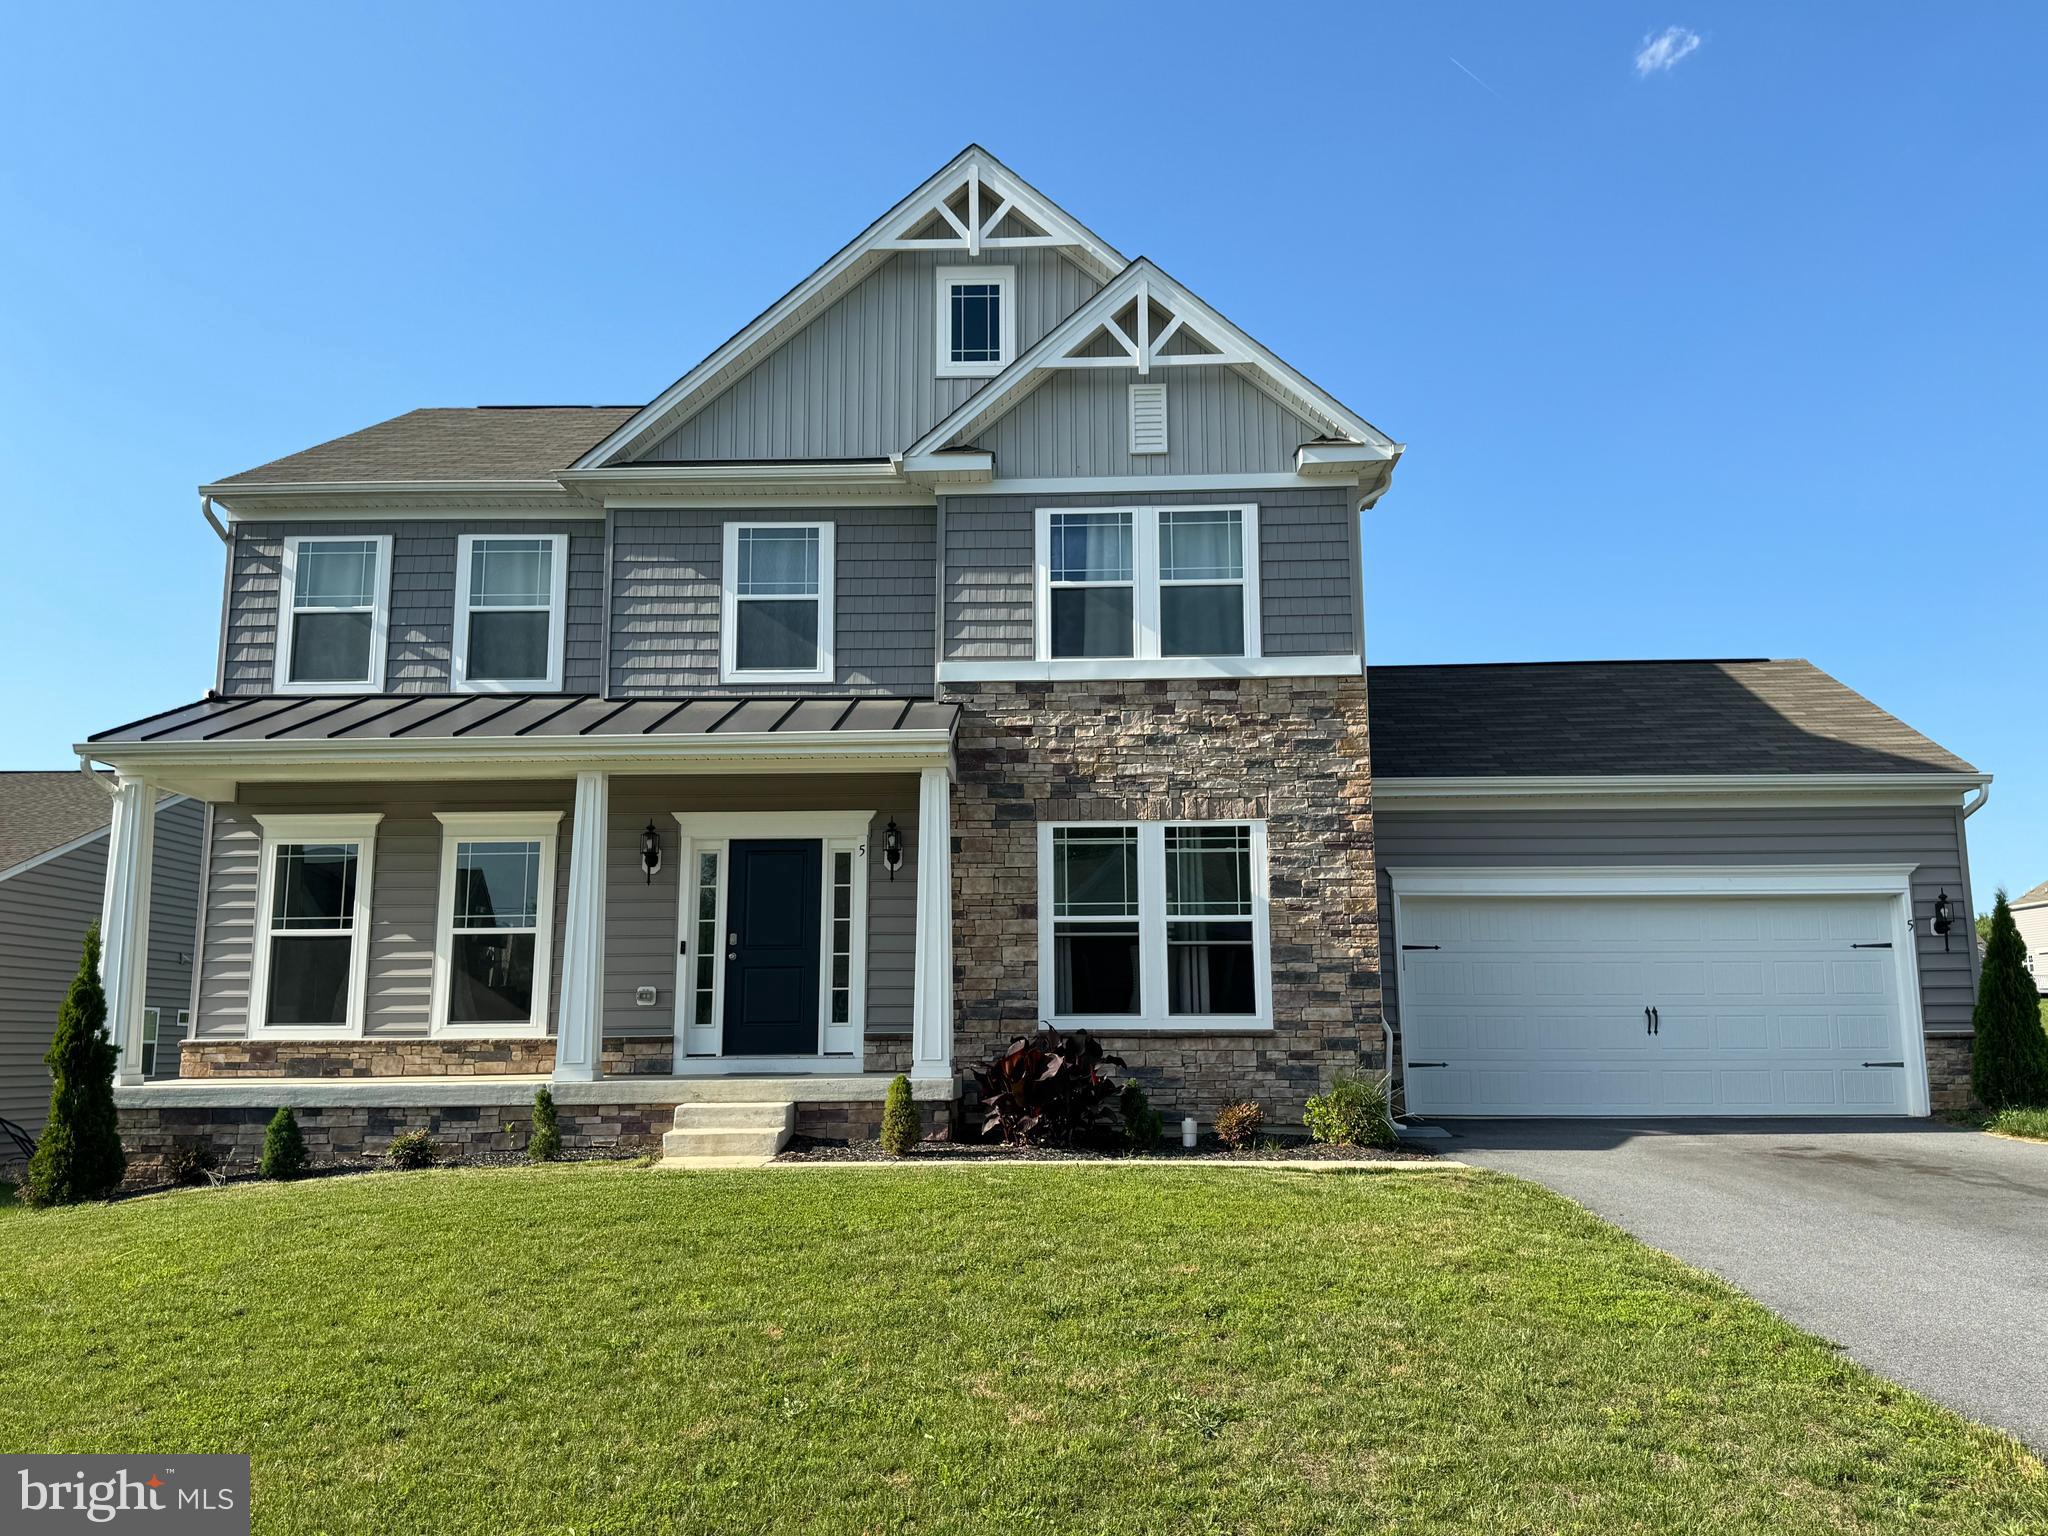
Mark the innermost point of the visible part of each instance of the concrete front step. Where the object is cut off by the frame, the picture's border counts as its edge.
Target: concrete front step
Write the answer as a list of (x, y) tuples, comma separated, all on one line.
[(745, 1116), (715, 1135)]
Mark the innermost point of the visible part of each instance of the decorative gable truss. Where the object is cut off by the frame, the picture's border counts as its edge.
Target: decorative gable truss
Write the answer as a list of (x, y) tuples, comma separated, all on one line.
[(1146, 322), (977, 207)]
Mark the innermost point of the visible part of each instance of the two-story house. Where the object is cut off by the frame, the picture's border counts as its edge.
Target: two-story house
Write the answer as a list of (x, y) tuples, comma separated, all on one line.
[(974, 641)]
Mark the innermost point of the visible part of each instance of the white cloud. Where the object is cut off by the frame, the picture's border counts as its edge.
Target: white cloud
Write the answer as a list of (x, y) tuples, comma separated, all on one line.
[(1663, 51)]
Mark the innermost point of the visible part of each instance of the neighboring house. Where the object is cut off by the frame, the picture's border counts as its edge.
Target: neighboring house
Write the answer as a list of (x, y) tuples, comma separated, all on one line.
[(53, 871), (2030, 915), (975, 640)]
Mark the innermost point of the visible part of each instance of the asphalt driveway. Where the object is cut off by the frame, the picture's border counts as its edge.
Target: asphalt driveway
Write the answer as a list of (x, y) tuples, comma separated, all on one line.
[(1919, 1248)]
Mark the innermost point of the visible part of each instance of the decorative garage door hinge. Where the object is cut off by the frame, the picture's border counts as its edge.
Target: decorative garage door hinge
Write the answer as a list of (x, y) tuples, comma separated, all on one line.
[(1422, 946), (1887, 944)]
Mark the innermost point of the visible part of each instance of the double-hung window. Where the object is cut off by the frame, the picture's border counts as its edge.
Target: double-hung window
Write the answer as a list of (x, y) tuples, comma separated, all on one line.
[(497, 920), (1147, 584), (1154, 925), (977, 327), (312, 924), (776, 625), (509, 612), (333, 612)]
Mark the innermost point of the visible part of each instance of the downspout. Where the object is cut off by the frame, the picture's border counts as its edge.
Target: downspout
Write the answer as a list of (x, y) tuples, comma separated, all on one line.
[(105, 781), (1972, 807)]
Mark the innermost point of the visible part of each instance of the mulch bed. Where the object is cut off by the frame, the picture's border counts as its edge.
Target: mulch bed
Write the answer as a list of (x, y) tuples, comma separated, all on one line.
[(810, 1149)]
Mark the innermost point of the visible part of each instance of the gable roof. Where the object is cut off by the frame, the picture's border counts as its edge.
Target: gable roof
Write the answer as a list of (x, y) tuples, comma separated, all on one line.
[(1627, 718), (42, 811), (1144, 283), (2037, 897), (974, 167), (476, 443)]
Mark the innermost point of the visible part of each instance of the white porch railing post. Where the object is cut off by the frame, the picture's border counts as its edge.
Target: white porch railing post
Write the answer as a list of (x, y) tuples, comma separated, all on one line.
[(124, 920), (579, 1032), (931, 1043)]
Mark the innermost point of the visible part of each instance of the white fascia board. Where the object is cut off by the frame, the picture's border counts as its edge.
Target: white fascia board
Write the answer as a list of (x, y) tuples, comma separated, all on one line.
[(1274, 480), (402, 500), (1655, 880), (1126, 669), (1343, 460), (631, 484), (1614, 791), (952, 467), (827, 283)]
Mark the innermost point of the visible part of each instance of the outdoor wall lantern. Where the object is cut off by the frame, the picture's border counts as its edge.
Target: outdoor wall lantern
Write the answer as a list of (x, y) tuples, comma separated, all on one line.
[(892, 847), (1944, 916), (650, 851)]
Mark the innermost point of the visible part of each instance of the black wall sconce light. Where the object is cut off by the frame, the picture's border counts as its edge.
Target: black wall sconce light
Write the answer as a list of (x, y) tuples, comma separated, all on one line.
[(1944, 916), (650, 851), (892, 847)]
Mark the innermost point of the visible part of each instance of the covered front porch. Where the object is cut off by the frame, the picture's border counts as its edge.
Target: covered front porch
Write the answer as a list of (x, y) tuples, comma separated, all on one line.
[(426, 903)]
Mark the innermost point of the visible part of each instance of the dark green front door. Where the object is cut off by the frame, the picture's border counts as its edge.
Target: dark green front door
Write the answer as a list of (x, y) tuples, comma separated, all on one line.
[(771, 964)]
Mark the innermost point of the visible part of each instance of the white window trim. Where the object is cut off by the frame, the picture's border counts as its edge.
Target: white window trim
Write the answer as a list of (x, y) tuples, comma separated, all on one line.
[(358, 829), (380, 615), (1152, 920), (1145, 578), (729, 601), (1005, 279), (459, 827), (152, 1040), (558, 599), (701, 1047)]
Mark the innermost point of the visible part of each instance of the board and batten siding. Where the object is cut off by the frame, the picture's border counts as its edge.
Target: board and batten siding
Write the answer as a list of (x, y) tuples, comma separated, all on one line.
[(44, 913), (666, 564), (861, 380), (1928, 837), (1078, 423), (1309, 574), (640, 914), (423, 589)]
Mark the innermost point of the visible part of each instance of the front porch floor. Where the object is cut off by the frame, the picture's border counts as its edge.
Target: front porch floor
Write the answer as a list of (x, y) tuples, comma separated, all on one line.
[(480, 1090)]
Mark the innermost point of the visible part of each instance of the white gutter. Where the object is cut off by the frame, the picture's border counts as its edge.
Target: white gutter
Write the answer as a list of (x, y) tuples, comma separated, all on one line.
[(85, 767), (1488, 788), (206, 511), (1972, 807)]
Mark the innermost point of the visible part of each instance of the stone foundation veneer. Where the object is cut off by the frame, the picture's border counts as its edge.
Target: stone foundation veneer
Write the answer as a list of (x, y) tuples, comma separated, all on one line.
[(370, 1057), (1948, 1074), (1289, 750)]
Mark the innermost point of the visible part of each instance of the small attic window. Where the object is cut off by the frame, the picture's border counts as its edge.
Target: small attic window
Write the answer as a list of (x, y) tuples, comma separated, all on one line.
[(1148, 418), (977, 320)]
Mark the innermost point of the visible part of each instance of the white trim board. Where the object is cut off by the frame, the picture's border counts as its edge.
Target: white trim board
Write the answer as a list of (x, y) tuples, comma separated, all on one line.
[(1671, 791), (1124, 668)]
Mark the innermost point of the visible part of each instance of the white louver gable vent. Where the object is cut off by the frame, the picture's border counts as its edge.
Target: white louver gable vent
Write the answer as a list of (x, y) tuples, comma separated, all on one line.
[(1148, 418)]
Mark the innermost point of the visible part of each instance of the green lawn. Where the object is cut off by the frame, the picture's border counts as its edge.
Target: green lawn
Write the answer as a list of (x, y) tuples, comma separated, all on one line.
[(607, 1348)]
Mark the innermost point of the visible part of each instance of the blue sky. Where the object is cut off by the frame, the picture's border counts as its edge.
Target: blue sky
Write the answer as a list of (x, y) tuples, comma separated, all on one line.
[(1739, 356)]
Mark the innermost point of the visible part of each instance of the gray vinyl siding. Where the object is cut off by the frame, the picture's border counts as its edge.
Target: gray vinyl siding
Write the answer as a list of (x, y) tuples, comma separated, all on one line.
[(1928, 837), (1078, 423), (423, 584), (641, 915), (44, 913), (666, 565), (861, 380), (405, 893), (1308, 598)]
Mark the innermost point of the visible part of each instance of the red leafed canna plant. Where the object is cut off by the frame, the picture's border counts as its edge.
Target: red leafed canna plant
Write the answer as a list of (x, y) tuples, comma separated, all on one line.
[(1050, 1090)]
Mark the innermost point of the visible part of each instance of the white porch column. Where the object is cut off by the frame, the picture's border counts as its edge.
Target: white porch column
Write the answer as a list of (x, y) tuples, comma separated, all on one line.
[(579, 1032), (931, 1043), (124, 920)]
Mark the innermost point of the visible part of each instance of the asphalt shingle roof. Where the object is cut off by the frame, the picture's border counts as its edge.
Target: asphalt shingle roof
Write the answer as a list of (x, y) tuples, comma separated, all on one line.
[(41, 811), (2038, 896), (1634, 717), (489, 442)]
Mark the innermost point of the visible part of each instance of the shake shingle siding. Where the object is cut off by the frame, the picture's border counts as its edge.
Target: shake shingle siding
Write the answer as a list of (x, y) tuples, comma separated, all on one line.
[(1308, 589), (666, 568), (423, 590)]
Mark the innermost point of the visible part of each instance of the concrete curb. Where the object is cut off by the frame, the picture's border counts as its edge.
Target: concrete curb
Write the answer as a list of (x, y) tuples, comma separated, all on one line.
[(1272, 1165)]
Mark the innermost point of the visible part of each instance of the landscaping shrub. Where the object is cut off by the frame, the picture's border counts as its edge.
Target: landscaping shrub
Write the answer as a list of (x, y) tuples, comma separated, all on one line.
[(902, 1125), (1048, 1090), (2009, 1057), (1143, 1125), (545, 1144), (1353, 1113), (410, 1149), (79, 1156), (1238, 1125), (284, 1149), (188, 1162)]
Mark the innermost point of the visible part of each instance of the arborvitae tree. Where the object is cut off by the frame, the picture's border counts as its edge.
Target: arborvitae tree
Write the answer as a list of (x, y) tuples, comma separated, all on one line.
[(545, 1144), (79, 1156), (902, 1125), (284, 1149), (2009, 1058)]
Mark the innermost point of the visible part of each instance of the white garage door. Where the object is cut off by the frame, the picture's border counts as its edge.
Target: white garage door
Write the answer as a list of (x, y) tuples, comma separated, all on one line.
[(1567, 1005)]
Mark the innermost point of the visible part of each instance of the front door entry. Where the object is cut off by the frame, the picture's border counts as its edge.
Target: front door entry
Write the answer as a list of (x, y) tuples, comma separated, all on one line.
[(771, 951)]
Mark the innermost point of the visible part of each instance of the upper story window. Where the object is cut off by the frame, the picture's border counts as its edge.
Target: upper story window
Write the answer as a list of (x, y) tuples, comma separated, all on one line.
[(508, 612), (1144, 583), (977, 320), (776, 619), (334, 601)]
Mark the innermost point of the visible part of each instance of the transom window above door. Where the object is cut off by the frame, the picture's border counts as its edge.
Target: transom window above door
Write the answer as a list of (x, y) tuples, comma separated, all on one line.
[(333, 612), (776, 624), (977, 326), (1146, 583), (510, 598)]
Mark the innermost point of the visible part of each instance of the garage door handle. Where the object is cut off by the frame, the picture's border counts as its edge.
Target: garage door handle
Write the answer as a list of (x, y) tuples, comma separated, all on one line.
[(1648, 1027), (1656, 1021)]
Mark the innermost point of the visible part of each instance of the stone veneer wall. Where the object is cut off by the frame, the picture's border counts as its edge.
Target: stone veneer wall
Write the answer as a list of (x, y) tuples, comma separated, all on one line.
[(1948, 1074), (1289, 750), (652, 1056)]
